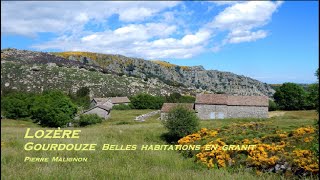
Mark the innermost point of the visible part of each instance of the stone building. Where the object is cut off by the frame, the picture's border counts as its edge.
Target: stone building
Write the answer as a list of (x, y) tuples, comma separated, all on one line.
[(220, 106), (119, 100), (110, 101), (100, 110), (166, 107)]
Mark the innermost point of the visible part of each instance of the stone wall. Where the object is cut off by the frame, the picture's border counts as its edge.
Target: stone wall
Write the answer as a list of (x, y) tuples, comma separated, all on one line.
[(100, 112), (143, 117), (205, 111), (120, 103), (247, 111), (163, 116), (223, 111)]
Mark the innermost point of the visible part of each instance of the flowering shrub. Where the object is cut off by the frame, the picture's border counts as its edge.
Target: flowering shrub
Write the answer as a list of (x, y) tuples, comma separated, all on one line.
[(90, 55), (304, 130), (275, 150), (304, 159), (217, 157)]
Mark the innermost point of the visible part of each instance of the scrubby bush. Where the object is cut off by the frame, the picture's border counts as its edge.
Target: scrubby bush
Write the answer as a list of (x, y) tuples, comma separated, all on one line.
[(178, 98), (180, 122), (121, 107), (173, 98), (89, 119), (272, 106), (53, 109), (17, 105), (81, 97), (146, 101), (187, 99)]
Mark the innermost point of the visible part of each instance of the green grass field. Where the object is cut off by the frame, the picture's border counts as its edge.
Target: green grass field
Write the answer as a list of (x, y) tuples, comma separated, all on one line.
[(121, 129)]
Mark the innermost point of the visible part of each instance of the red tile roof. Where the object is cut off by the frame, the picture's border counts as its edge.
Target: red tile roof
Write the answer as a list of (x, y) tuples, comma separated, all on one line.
[(223, 99), (248, 101), (118, 100), (211, 99)]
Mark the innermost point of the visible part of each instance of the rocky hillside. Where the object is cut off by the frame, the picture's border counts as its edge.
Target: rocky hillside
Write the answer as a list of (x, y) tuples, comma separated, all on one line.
[(106, 74)]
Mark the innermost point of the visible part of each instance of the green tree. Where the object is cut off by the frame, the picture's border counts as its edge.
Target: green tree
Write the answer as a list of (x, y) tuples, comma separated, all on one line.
[(290, 96), (181, 122), (173, 98), (178, 98), (83, 91), (312, 98), (272, 106), (17, 105), (81, 98), (146, 101), (53, 109), (187, 99), (89, 119)]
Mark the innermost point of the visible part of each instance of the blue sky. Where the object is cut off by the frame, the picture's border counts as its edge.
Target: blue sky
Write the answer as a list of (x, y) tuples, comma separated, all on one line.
[(274, 42)]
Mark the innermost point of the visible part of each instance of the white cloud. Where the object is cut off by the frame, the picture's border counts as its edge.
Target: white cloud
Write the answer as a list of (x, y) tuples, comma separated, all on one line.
[(245, 15), (140, 35), (222, 3), (89, 38), (241, 18), (199, 37), (134, 14), (147, 41), (239, 36), (30, 18)]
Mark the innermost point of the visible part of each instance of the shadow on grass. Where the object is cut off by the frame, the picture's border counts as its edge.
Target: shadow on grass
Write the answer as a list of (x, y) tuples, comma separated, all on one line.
[(169, 138)]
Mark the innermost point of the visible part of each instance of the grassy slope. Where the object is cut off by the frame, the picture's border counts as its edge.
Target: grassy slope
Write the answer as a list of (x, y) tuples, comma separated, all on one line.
[(122, 130)]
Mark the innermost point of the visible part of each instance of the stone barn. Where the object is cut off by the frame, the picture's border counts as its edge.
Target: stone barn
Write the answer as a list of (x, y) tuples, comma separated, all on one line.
[(220, 106), (119, 100), (110, 101), (100, 101), (100, 110), (166, 107)]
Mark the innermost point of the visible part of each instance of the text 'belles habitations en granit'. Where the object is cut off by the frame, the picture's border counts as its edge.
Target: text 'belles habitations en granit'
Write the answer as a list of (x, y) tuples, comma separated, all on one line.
[(75, 134)]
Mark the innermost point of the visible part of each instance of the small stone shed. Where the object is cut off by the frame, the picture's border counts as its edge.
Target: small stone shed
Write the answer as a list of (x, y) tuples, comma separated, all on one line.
[(166, 107), (100, 110), (220, 106)]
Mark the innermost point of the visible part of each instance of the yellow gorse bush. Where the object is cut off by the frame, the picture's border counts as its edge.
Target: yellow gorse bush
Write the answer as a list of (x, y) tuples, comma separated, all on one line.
[(169, 65), (218, 156), (264, 154), (67, 54), (202, 134), (302, 131), (276, 148), (306, 160)]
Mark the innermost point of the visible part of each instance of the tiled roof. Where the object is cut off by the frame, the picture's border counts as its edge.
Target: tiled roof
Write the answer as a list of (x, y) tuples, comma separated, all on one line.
[(211, 99), (104, 107), (223, 99), (114, 100), (166, 107), (117, 100), (248, 101), (100, 100), (99, 106)]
